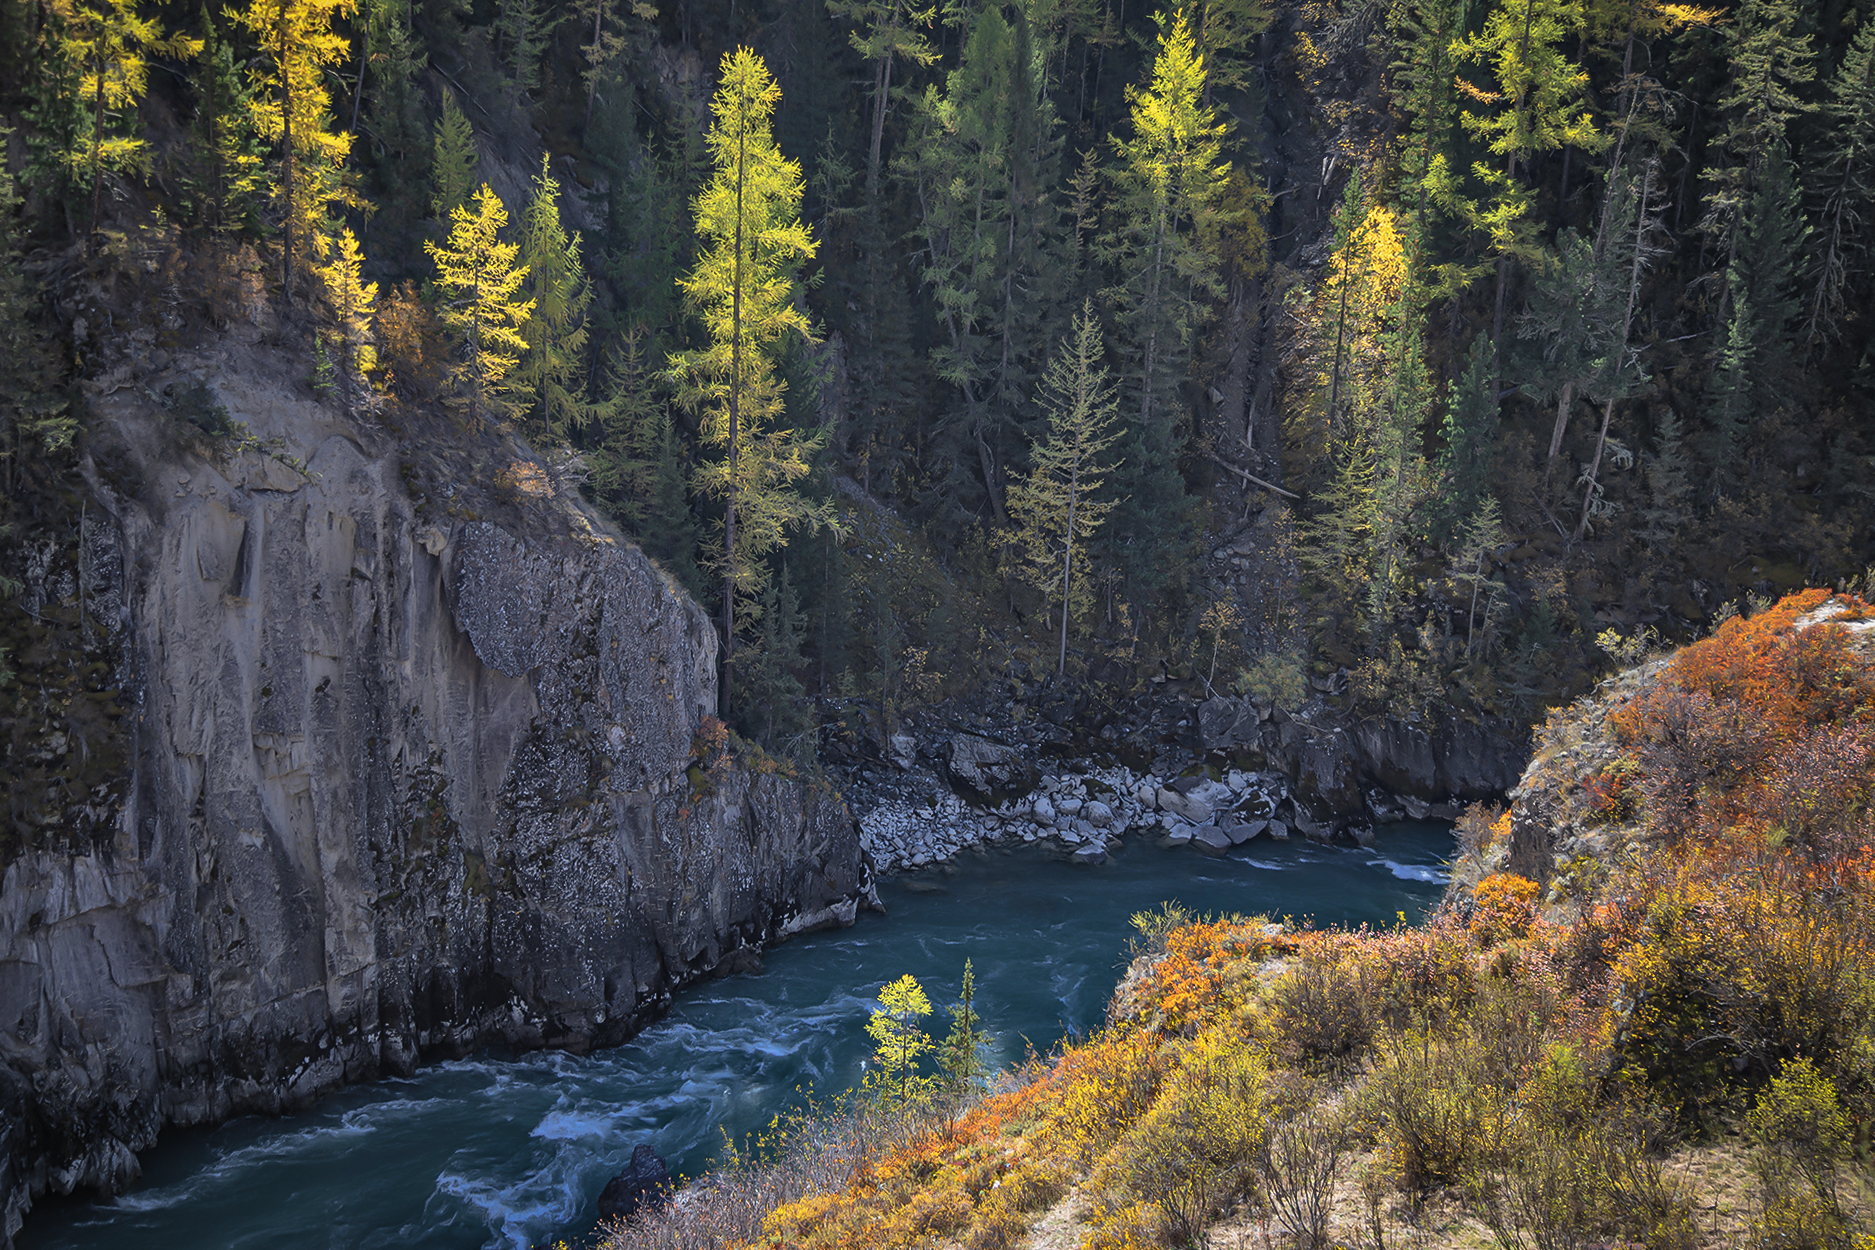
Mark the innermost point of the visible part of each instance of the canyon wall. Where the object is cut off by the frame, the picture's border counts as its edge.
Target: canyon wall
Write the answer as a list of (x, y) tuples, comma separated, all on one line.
[(409, 770)]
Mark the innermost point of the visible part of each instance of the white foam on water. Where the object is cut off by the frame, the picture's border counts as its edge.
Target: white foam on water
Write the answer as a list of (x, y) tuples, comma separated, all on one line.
[(227, 1167), (574, 1125), (1265, 865), (1429, 873)]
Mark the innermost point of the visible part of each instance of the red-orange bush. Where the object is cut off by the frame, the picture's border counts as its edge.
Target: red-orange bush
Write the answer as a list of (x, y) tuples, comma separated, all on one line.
[(1752, 721)]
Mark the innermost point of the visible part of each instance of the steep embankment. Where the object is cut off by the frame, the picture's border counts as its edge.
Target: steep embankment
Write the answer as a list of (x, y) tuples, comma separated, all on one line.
[(412, 768), (1674, 1053)]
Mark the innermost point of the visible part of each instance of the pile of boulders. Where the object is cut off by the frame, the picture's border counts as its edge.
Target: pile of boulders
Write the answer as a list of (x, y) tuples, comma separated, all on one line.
[(1087, 815)]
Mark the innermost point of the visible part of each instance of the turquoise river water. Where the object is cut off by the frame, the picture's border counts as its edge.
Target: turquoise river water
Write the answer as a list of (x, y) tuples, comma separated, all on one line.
[(499, 1151)]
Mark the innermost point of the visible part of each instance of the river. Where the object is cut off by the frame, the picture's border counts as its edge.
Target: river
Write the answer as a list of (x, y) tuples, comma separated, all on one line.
[(498, 1151)]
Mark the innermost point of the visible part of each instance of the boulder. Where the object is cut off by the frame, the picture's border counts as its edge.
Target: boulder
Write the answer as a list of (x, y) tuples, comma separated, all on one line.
[(1278, 830), (1090, 855), (1043, 810), (1224, 723), (1241, 831), (1328, 778), (646, 1181), (988, 773), (1211, 840), (904, 749), (1097, 814)]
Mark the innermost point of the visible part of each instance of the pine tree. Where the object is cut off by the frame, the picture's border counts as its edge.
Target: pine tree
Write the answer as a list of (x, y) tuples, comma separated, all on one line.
[(292, 108), (452, 168), (743, 289), (1056, 506), (352, 303), (889, 31), (107, 45), (481, 283), (1844, 187), (551, 366)]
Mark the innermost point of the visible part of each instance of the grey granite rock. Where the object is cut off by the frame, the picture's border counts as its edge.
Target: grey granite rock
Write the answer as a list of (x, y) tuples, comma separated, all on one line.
[(406, 783)]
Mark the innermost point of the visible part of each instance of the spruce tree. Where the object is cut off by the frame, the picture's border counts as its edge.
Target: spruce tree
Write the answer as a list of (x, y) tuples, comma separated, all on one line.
[(984, 166), (1467, 436), (452, 168), (771, 703), (1535, 105), (1844, 188), (35, 420), (1756, 363), (1170, 175), (233, 182), (525, 30), (960, 1054), (481, 281), (639, 467), (551, 367), (743, 290), (394, 104), (888, 31), (1770, 63)]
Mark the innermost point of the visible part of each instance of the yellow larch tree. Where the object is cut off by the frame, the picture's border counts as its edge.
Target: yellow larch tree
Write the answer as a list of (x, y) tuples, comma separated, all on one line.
[(292, 108), (481, 280), (106, 43), (352, 303), (744, 289)]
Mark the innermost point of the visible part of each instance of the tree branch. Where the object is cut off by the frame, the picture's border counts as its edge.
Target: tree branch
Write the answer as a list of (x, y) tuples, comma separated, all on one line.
[(1250, 477)]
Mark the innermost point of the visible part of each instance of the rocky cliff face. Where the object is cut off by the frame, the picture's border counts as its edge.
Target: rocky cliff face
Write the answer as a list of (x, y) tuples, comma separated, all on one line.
[(410, 744)]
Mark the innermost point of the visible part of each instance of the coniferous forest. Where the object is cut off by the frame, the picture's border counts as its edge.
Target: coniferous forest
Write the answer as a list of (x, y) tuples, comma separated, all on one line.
[(1433, 354)]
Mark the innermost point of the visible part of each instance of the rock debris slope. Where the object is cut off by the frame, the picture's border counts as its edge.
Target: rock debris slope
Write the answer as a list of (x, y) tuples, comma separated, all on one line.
[(412, 773)]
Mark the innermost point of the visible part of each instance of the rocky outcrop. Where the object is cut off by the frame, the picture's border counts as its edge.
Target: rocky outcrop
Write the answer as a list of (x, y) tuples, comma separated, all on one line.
[(412, 772), (1338, 765)]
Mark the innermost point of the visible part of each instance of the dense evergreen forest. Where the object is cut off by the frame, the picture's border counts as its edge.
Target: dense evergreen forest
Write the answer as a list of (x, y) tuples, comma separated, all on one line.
[(1427, 352)]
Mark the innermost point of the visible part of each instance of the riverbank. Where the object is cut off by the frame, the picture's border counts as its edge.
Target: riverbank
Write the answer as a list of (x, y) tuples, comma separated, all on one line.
[(504, 1151)]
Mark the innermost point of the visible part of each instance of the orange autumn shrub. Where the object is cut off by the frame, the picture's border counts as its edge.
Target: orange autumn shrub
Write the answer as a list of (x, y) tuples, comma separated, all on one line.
[(1503, 906)]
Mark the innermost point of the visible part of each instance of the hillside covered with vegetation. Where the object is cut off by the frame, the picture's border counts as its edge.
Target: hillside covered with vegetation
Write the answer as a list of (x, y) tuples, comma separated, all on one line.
[(1677, 1053), (1407, 346)]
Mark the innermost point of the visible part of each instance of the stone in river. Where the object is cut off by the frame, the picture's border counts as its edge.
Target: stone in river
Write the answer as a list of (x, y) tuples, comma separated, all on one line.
[(1242, 831), (1177, 835), (1279, 831), (1091, 855), (1211, 840), (645, 1181)]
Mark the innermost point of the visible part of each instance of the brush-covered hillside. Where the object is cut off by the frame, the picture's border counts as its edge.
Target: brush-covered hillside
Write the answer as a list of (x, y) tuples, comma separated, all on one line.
[(1674, 1049)]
